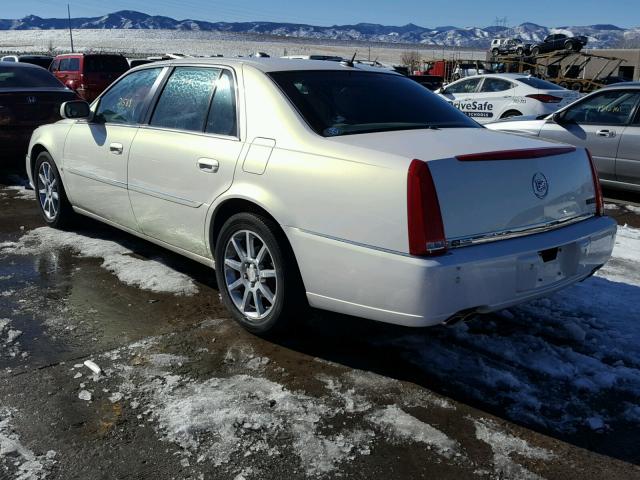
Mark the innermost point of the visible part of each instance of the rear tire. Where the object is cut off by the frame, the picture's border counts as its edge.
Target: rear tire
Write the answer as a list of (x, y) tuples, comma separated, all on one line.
[(535, 51), (257, 275), (520, 51), (569, 46), (52, 199), (495, 52), (511, 114)]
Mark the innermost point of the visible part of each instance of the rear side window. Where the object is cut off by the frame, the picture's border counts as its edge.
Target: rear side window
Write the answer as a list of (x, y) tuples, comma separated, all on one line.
[(124, 102), (105, 63), (222, 115), (70, 64), (184, 102), (495, 85), (539, 83), (11, 77)]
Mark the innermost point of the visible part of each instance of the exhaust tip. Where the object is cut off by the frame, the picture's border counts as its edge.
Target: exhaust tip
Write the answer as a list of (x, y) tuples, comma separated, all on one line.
[(461, 316)]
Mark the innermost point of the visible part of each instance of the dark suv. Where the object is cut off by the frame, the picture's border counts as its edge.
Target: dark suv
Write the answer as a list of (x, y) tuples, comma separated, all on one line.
[(88, 74), (559, 41)]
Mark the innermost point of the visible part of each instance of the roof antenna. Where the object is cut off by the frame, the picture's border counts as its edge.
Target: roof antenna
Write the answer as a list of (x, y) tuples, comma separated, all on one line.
[(349, 63)]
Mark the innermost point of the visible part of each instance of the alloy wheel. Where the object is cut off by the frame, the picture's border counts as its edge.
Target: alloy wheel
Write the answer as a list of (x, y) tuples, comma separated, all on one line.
[(48, 193), (250, 274)]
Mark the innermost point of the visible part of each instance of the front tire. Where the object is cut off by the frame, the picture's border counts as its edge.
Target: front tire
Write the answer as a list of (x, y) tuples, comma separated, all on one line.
[(535, 51), (257, 275), (52, 199)]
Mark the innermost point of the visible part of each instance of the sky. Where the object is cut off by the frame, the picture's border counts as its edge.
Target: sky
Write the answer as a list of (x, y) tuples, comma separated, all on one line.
[(427, 13)]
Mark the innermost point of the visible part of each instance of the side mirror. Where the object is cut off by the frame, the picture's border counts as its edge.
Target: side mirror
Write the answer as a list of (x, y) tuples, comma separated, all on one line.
[(75, 110), (441, 90), (558, 117)]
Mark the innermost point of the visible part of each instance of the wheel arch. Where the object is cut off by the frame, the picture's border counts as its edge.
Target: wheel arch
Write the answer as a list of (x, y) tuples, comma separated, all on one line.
[(233, 205), (36, 150)]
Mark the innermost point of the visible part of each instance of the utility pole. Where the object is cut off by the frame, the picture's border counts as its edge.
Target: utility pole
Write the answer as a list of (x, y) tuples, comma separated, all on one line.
[(70, 31)]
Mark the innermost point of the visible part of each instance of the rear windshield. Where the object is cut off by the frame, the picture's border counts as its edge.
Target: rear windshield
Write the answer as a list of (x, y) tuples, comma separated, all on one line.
[(43, 62), (350, 102), (105, 63), (11, 77), (539, 84)]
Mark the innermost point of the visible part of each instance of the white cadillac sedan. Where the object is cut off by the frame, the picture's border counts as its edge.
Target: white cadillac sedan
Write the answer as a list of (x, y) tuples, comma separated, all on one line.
[(487, 98), (318, 183)]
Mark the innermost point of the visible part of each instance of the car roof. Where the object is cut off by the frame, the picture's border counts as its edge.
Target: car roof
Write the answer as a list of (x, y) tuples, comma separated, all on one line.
[(267, 65), (89, 54), (20, 65), (622, 85)]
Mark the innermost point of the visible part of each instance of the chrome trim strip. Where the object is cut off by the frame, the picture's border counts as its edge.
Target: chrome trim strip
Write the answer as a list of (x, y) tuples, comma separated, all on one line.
[(97, 178), (164, 196), (515, 233)]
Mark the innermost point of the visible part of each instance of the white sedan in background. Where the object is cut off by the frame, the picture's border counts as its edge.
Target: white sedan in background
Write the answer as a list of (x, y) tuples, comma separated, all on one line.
[(352, 190), (487, 98)]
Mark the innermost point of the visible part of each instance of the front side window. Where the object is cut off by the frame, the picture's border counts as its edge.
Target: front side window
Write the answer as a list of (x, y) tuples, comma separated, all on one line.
[(495, 85), (184, 102), (64, 65), (465, 86), (124, 103), (222, 116), (336, 102), (607, 108)]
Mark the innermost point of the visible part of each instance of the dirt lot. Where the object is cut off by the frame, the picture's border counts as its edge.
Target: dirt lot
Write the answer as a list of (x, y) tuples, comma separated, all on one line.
[(550, 389)]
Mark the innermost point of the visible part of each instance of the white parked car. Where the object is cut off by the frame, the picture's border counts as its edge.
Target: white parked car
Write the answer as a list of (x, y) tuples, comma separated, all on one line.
[(356, 191), (487, 98)]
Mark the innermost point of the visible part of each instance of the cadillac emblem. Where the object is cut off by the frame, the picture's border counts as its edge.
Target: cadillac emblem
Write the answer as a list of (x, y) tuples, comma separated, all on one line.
[(540, 185)]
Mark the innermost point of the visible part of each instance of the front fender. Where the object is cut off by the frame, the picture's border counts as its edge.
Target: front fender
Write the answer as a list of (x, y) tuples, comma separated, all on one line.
[(50, 138)]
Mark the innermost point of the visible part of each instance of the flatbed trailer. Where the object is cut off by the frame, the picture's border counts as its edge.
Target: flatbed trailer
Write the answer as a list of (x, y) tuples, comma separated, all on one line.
[(565, 68)]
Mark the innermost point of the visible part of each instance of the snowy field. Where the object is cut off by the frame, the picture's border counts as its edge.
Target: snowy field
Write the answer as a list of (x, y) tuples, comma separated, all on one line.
[(154, 42)]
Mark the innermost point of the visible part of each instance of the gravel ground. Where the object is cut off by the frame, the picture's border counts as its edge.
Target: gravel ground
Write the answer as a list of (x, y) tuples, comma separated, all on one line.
[(547, 390)]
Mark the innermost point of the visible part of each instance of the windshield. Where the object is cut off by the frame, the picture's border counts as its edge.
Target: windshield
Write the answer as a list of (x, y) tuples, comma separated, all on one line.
[(12, 77), (105, 63), (350, 102)]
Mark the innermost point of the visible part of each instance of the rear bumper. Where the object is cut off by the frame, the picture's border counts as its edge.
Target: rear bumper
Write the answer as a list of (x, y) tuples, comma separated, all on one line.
[(411, 291)]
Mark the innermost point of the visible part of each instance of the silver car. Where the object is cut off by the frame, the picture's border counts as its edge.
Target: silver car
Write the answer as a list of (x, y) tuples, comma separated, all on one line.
[(351, 189), (607, 122)]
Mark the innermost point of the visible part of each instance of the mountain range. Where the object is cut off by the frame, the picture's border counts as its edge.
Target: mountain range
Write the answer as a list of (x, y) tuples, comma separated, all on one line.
[(600, 36)]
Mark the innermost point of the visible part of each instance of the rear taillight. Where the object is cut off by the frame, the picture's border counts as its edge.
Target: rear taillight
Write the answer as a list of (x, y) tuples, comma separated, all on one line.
[(426, 230), (544, 98), (596, 187)]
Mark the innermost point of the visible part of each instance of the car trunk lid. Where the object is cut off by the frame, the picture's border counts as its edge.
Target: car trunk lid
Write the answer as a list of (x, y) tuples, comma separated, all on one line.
[(24, 108), (489, 195)]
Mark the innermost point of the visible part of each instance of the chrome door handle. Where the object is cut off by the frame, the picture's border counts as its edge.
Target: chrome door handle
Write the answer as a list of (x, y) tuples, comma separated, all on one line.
[(606, 133), (116, 148), (208, 165)]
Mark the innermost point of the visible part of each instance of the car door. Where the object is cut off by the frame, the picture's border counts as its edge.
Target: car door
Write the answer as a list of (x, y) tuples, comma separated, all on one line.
[(186, 156), (494, 97), (628, 159), (460, 93), (596, 123), (96, 151)]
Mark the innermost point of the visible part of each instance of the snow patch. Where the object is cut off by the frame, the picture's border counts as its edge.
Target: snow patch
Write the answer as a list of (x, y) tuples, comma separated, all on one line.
[(149, 275), (403, 426), (504, 446), (20, 461)]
